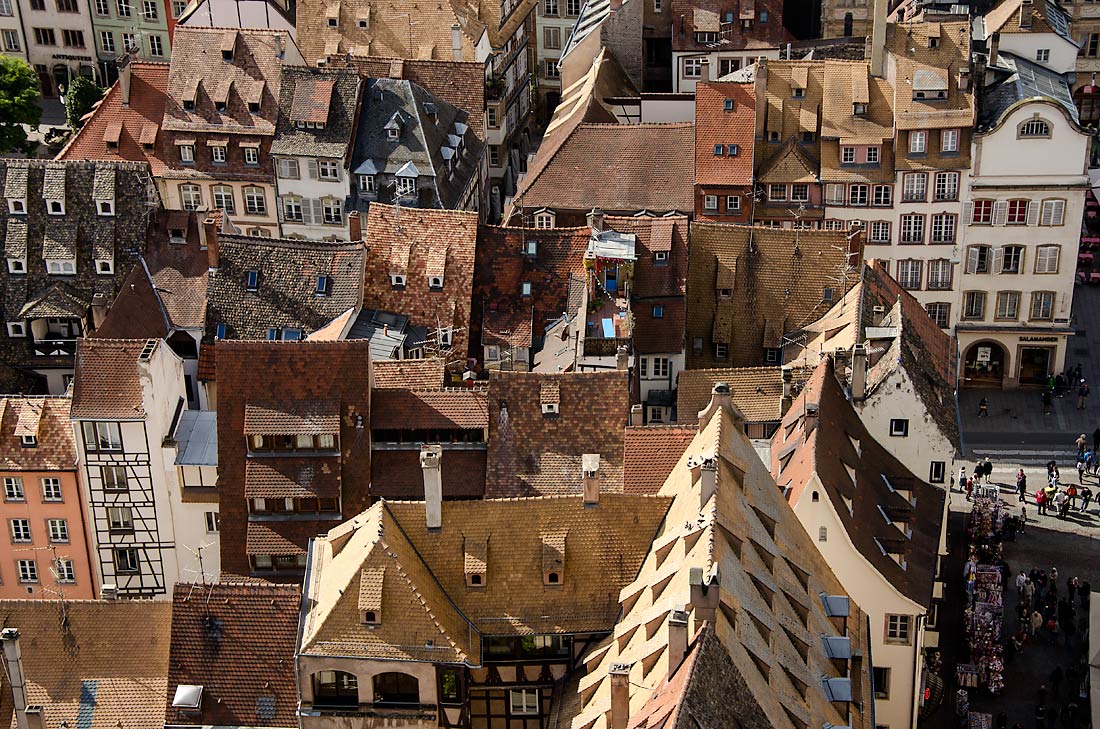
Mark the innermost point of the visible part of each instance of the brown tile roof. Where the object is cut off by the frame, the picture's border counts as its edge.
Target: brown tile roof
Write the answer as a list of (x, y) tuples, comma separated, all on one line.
[(866, 484), (654, 335), (280, 538), (237, 642), (312, 97), (429, 410), (136, 312), (107, 666), (649, 454), (413, 374), (107, 384), (908, 46), (138, 122), (47, 419), (616, 167), (849, 83), (1004, 17), (286, 478), (714, 125), (407, 246), (179, 270), (532, 454), (757, 392), (397, 474), (710, 15), (291, 417), (777, 280)]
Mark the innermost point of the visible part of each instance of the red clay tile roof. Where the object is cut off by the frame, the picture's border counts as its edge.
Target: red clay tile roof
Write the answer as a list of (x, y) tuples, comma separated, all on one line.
[(280, 538), (107, 384), (532, 454), (47, 419), (617, 167), (666, 334), (413, 374), (285, 478), (716, 126), (291, 417), (207, 363), (312, 98), (406, 247), (397, 474), (650, 453), (668, 235), (711, 15), (237, 642), (447, 409), (148, 92)]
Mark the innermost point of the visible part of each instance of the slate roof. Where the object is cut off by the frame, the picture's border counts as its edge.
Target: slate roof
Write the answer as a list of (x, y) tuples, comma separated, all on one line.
[(1046, 17), (107, 385), (716, 15), (885, 509), (423, 243), (425, 140), (237, 642), (1016, 79), (649, 454), (757, 392), (285, 297), (714, 125), (326, 95), (47, 419), (138, 122), (92, 673), (533, 454), (386, 556)]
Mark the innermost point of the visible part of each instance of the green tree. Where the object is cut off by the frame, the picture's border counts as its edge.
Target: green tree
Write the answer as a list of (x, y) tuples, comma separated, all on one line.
[(18, 104), (80, 97)]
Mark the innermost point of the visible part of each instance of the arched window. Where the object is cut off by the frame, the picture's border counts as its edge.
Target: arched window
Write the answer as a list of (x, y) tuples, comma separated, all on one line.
[(1034, 128), (396, 688), (335, 688)]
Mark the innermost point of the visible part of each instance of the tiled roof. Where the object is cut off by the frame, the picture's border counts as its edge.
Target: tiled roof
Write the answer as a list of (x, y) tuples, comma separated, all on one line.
[(908, 46), (326, 95), (107, 385), (1046, 17), (138, 122), (137, 312), (664, 334), (287, 282), (757, 392), (715, 125), (650, 452), (199, 71), (406, 246), (285, 478), (884, 508), (701, 16), (107, 665), (291, 417), (535, 454), (616, 167), (179, 269), (424, 588), (779, 281), (429, 410), (849, 83), (397, 474), (280, 538), (237, 642), (47, 419), (412, 374)]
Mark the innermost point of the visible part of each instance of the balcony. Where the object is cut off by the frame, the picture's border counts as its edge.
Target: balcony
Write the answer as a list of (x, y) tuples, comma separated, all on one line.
[(49, 347)]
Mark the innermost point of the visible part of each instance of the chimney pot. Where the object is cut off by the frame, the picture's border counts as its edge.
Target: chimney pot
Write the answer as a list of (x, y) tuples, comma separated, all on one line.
[(720, 397), (811, 418), (878, 313), (590, 464), (878, 37), (13, 660), (100, 306), (124, 73), (210, 229), (622, 358), (620, 695), (355, 227), (431, 457), (636, 414), (677, 640), (456, 42), (704, 595), (595, 220)]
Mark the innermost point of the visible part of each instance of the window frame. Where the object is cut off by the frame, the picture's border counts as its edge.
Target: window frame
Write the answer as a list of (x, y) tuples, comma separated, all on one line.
[(1035, 299), (1003, 296), (48, 494), (979, 296), (897, 629), (57, 531)]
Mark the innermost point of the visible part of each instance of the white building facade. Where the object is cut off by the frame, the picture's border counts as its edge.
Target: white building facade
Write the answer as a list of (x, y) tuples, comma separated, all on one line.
[(13, 41), (58, 41)]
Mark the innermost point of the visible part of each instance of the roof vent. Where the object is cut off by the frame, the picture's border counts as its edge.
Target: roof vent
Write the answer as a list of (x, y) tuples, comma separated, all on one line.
[(187, 696)]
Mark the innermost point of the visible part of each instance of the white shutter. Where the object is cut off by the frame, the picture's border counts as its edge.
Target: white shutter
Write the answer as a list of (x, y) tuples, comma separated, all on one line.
[(998, 259), (1033, 212), (1000, 212), (972, 259), (1059, 213), (311, 165), (968, 213), (1047, 214), (307, 212), (318, 211)]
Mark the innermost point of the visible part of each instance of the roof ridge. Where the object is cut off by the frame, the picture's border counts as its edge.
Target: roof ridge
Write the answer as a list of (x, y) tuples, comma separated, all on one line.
[(643, 125), (223, 28)]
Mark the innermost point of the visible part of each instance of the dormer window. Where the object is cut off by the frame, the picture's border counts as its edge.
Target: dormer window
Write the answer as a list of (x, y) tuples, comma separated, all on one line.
[(332, 22), (324, 285), (104, 266), (397, 280), (17, 265), (227, 55), (17, 206), (798, 93), (106, 207), (56, 267), (252, 280), (393, 134), (188, 104), (435, 283), (445, 337), (660, 257), (253, 107), (549, 408), (220, 331), (366, 183), (859, 109), (55, 207), (220, 106), (728, 106), (28, 441), (17, 329)]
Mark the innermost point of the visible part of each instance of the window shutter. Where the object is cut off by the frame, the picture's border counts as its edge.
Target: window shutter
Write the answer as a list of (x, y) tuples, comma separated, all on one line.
[(1047, 214), (311, 165), (998, 259), (1058, 215), (968, 213), (318, 211), (1000, 212), (972, 260), (307, 212), (1032, 212)]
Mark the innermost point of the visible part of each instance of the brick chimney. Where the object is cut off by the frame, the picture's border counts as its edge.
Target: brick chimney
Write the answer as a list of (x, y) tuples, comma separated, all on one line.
[(100, 306), (355, 227), (636, 414), (859, 372), (620, 695), (590, 466), (810, 417), (677, 640), (210, 233), (123, 65), (13, 661), (595, 220), (431, 457), (622, 358)]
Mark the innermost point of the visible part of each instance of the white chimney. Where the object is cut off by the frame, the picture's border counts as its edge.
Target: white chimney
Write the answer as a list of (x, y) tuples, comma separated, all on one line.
[(109, 591), (677, 640), (430, 458), (595, 220), (622, 358), (13, 661), (590, 465), (124, 79), (859, 372), (620, 695), (704, 596), (278, 39), (708, 480), (456, 42)]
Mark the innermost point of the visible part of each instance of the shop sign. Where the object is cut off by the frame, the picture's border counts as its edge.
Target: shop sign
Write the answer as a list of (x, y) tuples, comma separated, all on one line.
[(1038, 339), (67, 57), (984, 354)]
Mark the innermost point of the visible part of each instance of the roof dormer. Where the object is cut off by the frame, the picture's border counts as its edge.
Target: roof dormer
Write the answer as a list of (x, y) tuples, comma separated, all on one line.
[(53, 189), (229, 45), (15, 190), (475, 560), (553, 557), (103, 190), (370, 595), (394, 127)]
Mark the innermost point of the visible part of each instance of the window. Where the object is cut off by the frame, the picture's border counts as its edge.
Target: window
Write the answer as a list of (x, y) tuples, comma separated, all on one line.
[(178, 6), (5, 8), (897, 629), (551, 38), (977, 259), (914, 187), (550, 7), (983, 213), (406, 185), (366, 183), (974, 305), (1053, 212), (251, 156), (252, 280), (1017, 212), (733, 204), (693, 67), (16, 328), (1042, 55), (884, 196), (20, 530), (59, 530), (13, 489), (217, 154), (28, 570), (102, 436), (1046, 259), (129, 43), (552, 69), (44, 37), (940, 313), (334, 688), (523, 702), (918, 141), (777, 193), (292, 209), (107, 41), (395, 688), (38, 4), (880, 232), (721, 351), (823, 534), (288, 169), (857, 194), (149, 9), (213, 524), (573, 7), (223, 194), (949, 140), (1011, 260), (332, 211), (11, 41), (51, 489), (544, 220), (126, 560), (947, 185), (943, 228), (706, 38), (912, 229), (847, 155), (909, 274), (1042, 305), (525, 288), (1033, 128), (1008, 305), (880, 682), (123, 6), (63, 570), (114, 478), (67, 6), (899, 427), (254, 202), (800, 192), (120, 519), (726, 66), (939, 274), (710, 202), (872, 155), (494, 152), (324, 285), (187, 154), (834, 194), (937, 472), (328, 170)]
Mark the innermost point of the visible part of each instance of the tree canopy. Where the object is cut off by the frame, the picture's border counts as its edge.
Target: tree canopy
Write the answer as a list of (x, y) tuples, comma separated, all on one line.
[(18, 103)]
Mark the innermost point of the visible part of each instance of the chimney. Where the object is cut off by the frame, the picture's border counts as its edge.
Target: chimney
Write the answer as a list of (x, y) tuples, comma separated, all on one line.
[(1025, 15), (13, 661), (704, 596), (636, 414), (708, 479), (355, 227), (878, 313), (278, 41), (595, 220), (109, 591), (811, 418), (100, 306), (590, 465), (878, 38), (788, 386), (430, 457), (210, 231), (456, 42), (855, 246), (677, 640), (761, 87), (719, 398), (123, 65), (36, 717), (622, 358), (620, 695), (859, 372), (995, 45)]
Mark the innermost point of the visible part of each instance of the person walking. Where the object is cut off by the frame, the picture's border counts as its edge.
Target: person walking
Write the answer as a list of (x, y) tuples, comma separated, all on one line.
[(1041, 501), (1021, 580), (983, 408), (1082, 394), (969, 487), (1071, 495), (987, 469), (1081, 446), (1047, 400), (1023, 518), (1021, 485), (962, 478), (1086, 497), (1029, 596), (1060, 501)]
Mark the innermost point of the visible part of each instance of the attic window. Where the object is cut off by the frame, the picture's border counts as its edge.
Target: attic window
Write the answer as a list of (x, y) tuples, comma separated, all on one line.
[(28, 441), (475, 558), (660, 256), (370, 617), (56, 207), (187, 697), (393, 133), (253, 107), (933, 42), (549, 408), (219, 331), (106, 207), (221, 106), (324, 285), (532, 248), (397, 280), (17, 206), (252, 280), (553, 557), (525, 288), (859, 109), (719, 150), (435, 283), (728, 105), (798, 93), (733, 150), (332, 22), (227, 54), (188, 104)]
